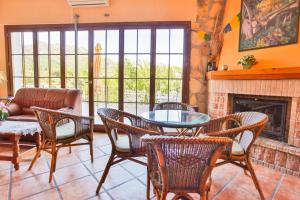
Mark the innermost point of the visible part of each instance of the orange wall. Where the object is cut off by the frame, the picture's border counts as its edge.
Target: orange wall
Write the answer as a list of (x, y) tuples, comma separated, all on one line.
[(58, 11), (284, 56)]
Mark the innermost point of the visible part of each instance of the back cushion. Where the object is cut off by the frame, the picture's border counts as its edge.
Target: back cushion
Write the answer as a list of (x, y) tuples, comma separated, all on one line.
[(54, 98), (45, 98)]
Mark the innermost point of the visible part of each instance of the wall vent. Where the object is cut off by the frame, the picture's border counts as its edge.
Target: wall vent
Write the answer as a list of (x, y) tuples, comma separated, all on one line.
[(88, 3)]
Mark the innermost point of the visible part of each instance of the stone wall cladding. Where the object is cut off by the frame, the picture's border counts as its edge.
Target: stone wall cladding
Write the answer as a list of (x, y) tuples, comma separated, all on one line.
[(208, 12)]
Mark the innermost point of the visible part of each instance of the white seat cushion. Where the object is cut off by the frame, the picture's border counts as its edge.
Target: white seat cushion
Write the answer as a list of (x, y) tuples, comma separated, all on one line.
[(122, 143), (237, 150), (66, 130)]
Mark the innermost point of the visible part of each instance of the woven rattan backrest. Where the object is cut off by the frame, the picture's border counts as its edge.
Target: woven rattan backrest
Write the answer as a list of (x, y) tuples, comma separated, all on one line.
[(113, 122), (173, 106), (183, 162), (44, 119)]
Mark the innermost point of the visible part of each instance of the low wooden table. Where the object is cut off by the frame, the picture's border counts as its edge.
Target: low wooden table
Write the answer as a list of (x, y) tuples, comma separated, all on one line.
[(14, 130)]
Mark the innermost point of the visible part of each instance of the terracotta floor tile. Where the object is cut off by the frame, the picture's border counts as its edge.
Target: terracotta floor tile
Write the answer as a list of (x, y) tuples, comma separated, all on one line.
[(70, 173), (236, 193), (102, 196), (116, 176), (291, 183), (85, 154), (135, 168), (267, 172), (30, 186), (284, 194), (4, 189), (4, 177), (130, 190), (65, 158), (98, 164), (51, 194), (39, 167), (101, 140), (83, 188), (80, 147), (106, 149), (75, 180), (5, 164), (267, 184)]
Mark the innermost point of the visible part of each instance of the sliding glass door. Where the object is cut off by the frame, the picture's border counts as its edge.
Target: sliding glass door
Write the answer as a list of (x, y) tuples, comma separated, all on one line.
[(122, 66)]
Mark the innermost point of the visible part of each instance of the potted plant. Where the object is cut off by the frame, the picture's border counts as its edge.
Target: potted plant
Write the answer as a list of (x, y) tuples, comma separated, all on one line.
[(247, 61), (3, 112)]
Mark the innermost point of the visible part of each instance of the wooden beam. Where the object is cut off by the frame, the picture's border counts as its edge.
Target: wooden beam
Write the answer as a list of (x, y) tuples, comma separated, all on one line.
[(256, 74)]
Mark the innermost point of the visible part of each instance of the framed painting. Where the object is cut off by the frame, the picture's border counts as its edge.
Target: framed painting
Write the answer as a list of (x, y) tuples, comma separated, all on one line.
[(268, 23)]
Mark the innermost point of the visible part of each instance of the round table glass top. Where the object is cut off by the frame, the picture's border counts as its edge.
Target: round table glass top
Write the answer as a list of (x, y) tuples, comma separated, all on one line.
[(176, 118)]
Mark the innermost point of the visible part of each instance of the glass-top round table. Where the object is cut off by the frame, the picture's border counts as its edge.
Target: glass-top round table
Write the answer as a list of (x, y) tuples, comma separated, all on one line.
[(179, 119)]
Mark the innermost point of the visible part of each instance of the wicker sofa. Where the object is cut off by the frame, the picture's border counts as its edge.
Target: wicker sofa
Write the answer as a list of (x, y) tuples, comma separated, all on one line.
[(56, 99)]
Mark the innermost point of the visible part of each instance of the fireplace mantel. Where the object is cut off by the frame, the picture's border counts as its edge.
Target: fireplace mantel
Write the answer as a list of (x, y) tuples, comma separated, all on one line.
[(256, 74)]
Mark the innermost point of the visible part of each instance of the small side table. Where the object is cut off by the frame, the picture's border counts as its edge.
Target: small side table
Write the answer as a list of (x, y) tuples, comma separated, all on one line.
[(13, 130)]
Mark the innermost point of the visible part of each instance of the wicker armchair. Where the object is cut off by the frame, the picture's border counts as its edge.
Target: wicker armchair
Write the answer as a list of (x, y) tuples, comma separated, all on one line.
[(127, 146), (173, 106), (243, 128), (61, 129), (182, 165)]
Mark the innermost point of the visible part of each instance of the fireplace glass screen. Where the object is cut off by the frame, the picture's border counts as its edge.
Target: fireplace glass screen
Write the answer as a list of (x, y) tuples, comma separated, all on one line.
[(275, 109)]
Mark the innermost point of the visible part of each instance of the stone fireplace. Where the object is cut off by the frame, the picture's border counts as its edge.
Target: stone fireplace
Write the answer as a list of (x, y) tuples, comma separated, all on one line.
[(282, 152)]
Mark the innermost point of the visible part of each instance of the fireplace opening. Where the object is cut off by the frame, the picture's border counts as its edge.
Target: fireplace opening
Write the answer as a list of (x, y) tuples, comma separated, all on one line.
[(276, 108)]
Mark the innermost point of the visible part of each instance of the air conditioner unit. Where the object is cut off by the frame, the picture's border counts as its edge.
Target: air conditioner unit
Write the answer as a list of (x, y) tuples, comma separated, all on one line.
[(88, 3)]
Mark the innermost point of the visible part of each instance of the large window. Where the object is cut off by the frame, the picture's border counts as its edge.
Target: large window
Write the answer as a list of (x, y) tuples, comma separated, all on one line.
[(129, 67)]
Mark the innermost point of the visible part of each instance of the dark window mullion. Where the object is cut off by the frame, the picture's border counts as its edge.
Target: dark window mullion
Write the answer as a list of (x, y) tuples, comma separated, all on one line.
[(49, 59), (121, 68), (62, 59), (91, 71), (186, 64), (76, 57), (23, 58), (35, 59), (169, 64), (152, 67), (136, 69)]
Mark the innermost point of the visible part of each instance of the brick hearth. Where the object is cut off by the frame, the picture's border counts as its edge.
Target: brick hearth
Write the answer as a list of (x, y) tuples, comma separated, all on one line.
[(278, 155)]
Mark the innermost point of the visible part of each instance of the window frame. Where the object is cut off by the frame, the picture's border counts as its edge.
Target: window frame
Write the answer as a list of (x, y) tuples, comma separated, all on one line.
[(90, 27)]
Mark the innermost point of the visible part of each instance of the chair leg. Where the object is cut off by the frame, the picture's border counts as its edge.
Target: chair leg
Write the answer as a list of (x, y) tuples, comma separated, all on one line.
[(92, 150), (53, 161), (70, 149), (204, 196), (148, 186), (254, 178), (163, 195), (104, 175), (38, 153)]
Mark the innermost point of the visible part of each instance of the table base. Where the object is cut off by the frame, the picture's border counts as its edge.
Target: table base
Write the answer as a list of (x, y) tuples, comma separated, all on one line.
[(14, 142)]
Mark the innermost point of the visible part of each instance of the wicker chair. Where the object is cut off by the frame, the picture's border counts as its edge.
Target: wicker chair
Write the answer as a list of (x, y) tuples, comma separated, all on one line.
[(243, 128), (173, 106), (61, 129), (129, 145), (182, 165)]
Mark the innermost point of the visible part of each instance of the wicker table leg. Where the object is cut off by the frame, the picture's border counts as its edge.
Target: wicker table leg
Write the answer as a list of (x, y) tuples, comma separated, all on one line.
[(16, 151)]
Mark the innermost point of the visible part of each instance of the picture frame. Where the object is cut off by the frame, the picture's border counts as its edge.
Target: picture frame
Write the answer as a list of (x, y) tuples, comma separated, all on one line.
[(268, 23)]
